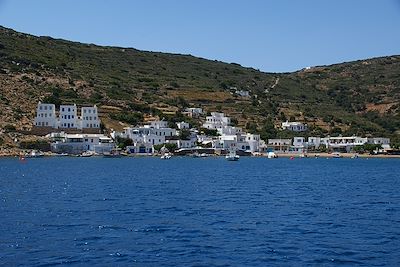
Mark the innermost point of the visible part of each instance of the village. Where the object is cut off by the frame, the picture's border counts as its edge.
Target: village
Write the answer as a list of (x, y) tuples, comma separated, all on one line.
[(70, 133)]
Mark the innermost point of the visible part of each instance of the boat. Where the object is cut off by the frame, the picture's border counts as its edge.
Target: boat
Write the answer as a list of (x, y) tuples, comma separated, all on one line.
[(112, 154), (60, 155), (34, 154), (355, 156), (232, 156), (198, 155), (166, 156), (87, 154), (272, 155), (336, 155)]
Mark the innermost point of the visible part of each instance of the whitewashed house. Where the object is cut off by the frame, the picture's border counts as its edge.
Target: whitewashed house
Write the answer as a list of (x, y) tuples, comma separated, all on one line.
[(345, 144), (193, 112), (216, 120), (46, 115), (78, 143), (299, 145), (145, 137), (182, 125), (279, 145), (379, 141), (68, 116), (89, 117), (313, 142), (229, 130), (294, 126)]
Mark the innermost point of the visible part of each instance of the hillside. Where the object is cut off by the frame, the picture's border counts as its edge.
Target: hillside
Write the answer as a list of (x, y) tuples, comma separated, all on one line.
[(361, 97)]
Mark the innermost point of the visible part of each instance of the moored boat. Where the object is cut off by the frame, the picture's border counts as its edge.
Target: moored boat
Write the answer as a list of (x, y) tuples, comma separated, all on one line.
[(232, 156), (87, 154)]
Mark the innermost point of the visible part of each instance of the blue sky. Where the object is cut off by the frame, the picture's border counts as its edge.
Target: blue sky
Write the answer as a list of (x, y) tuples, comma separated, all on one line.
[(273, 36)]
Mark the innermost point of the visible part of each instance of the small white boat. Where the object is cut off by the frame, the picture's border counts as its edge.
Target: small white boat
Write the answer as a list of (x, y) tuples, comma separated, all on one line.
[(336, 155), (34, 154), (272, 155), (87, 154), (355, 156), (112, 154), (202, 155), (232, 156), (166, 156), (60, 155)]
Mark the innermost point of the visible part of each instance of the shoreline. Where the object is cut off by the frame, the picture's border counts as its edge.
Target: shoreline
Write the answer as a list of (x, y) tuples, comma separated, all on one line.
[(16, 154)]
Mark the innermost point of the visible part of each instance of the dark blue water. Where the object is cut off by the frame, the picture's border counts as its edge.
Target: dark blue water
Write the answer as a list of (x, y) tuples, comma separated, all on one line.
[(199, 212)]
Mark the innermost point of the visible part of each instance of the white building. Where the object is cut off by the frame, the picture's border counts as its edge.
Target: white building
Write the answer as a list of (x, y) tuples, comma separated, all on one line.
[(193, 112), (313, 142), (229, 130), (299, 145), (140, 148), (182, 125), (68, 116), (78, 143), (345, 144), (242, 93), (216, 120), (245, 142), (294, 126), (46, 115), (279, 145), (89, 117), (145, 137)]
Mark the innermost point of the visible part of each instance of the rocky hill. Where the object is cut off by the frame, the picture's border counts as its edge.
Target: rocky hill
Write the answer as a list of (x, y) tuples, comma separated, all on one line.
[(129, 85)]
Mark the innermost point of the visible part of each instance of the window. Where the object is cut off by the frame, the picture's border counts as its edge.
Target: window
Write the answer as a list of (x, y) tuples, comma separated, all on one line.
[(69, 109), (62, 109), (84, 111)]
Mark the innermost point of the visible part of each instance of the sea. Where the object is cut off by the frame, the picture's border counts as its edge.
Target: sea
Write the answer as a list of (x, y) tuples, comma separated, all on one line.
[(199, 212)]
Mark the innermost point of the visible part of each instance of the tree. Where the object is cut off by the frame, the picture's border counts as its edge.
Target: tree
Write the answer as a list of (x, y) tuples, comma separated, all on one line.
[(184, 134), (123, 142), (171, 147)]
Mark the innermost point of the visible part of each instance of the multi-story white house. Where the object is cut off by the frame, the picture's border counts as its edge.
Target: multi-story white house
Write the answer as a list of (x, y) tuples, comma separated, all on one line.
[(90, 117), (294, 126), (68, 116), (46, 115), (279, 145), (240, 141), (216, 120), (147, 136)]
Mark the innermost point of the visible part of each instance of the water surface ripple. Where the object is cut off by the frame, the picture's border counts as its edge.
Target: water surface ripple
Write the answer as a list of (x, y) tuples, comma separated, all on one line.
[(199, 212)]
